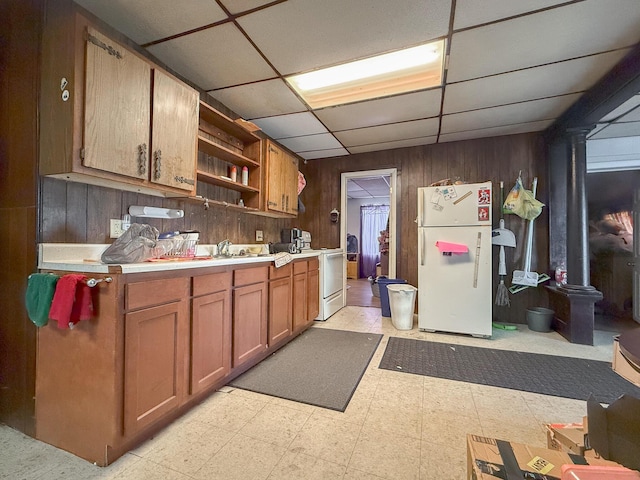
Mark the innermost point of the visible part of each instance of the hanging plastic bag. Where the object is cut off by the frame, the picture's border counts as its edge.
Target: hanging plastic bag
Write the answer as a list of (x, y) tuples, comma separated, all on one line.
[(522, 202), (136, 244)]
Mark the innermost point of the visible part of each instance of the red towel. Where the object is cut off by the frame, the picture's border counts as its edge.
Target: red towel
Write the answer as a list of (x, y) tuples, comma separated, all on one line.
[(71, 301)]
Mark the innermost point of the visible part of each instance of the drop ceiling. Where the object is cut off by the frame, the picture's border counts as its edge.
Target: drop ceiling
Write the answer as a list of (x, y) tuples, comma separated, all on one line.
[(512, 66)]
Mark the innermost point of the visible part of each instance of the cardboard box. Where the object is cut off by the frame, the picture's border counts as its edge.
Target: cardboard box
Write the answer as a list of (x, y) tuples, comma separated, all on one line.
[(614, 431), (490, 459), (623, 362), (567, 437)]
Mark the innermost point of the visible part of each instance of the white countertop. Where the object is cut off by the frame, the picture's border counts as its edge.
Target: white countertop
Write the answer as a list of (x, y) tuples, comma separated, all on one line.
[(80, 257)]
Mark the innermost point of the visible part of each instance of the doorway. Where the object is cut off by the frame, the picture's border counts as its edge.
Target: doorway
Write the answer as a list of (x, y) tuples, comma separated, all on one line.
[(371, 188)]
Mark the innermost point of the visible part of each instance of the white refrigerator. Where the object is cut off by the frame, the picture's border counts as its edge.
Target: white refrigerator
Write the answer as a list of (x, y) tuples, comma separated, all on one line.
[(454, 259)]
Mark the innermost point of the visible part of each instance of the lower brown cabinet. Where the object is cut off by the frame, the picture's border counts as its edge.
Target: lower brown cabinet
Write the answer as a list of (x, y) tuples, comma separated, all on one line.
[(280, 326), (210, 330), (313, 289), (155, 351), (159, 343), (249, 314)]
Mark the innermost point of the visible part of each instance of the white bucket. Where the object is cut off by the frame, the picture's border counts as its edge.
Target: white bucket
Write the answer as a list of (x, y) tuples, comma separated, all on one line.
[(402, 299)]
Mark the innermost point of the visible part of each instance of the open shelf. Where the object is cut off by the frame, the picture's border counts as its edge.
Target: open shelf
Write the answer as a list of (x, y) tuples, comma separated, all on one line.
[(223, 182), (215, 150), (220, 120)]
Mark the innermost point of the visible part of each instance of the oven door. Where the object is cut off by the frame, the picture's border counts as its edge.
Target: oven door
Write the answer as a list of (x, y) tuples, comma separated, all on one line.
[(333, 274)]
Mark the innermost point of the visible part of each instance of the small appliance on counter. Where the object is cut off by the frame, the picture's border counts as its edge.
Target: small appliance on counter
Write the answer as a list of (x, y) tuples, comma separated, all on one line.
[(292, 236), (306, 240)]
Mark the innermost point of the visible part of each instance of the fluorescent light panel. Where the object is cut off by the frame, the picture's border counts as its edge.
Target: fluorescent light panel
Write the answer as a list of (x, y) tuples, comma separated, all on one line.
[(403, 71)]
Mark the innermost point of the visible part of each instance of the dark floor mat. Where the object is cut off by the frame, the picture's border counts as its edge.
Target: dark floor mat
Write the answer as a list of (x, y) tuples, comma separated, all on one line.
[(530, 372), (321, 367)]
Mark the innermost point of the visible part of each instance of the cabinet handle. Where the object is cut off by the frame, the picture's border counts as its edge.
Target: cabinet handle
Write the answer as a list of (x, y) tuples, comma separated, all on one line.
[(157, 164), (287, 204), (282, 201), (107, 48), (142, 159)]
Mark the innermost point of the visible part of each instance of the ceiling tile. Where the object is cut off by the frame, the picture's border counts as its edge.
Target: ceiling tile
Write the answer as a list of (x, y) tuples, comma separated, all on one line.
[(411, 142), (568, 77), (495, 131), (332, 152), (199, 57), (631, 129), (238, 6), (472, 12), (411, 106), (144, 21), (547, 108), (388, 133), (261, 99), (307, 34), (322, 141), (544, 37), (294, 125)]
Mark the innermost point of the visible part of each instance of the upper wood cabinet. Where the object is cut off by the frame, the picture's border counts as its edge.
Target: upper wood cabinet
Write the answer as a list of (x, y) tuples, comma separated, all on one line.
[(281, 181), (112, 117)]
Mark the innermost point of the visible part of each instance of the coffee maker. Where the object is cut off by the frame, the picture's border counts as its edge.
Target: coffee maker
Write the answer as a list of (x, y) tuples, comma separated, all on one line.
[(292, 236)]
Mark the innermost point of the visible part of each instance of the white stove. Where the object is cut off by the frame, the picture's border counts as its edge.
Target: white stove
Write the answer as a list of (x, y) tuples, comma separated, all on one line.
[(332, 297)]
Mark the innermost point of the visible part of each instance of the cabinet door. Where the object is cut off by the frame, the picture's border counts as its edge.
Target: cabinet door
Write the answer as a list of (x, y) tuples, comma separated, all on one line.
[(313, 295), (175, 132), (291, 184), (116, 108), (275, 178), (249, 322), (154, 363), (210, 339), (299, 301), (279, 310)]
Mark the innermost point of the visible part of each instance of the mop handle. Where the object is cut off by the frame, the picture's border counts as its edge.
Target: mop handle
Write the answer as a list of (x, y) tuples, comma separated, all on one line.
[(527, 259)]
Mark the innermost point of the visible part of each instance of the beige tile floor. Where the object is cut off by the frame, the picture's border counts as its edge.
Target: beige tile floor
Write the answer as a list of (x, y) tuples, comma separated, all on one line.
[(397, 425)]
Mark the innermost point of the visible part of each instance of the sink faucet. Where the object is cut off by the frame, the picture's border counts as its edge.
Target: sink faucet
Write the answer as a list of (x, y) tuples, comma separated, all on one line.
[(223, 248)]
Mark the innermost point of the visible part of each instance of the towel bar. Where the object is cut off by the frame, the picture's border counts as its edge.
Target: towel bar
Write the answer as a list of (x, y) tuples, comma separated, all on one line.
[(92, 282)]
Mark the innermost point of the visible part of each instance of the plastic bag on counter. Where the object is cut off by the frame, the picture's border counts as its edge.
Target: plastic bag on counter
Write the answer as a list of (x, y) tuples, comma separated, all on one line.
[(136, 244)]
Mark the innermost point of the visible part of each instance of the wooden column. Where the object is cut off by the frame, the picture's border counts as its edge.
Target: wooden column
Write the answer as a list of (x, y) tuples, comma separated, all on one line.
[(572, 303), (577, 213)]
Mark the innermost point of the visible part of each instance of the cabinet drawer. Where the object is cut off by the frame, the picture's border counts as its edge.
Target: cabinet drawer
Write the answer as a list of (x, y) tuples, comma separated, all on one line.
[(156, 292), (215, 282), (247, 276), (281, 272), (314, 263), (300, 267)]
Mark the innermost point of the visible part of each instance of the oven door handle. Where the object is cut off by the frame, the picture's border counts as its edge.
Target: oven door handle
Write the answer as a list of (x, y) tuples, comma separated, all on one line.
[(331, 255)]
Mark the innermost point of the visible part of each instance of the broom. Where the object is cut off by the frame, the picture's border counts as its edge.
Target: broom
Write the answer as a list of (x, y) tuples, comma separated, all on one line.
[(502, 294)]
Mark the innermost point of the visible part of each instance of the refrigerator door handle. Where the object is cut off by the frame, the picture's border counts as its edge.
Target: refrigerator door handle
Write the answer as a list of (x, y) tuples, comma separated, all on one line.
[(420, 206), (422, 249)]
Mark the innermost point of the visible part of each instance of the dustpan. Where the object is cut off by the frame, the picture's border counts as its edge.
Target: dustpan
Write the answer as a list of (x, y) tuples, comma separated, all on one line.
[(502, 236)]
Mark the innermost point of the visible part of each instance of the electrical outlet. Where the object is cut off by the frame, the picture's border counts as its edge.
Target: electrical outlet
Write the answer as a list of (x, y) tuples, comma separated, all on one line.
[(259, 237), (115, 228)]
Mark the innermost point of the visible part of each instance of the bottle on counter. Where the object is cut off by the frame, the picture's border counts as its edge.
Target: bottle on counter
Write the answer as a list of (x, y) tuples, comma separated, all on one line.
[(245, 175), (233, 174)]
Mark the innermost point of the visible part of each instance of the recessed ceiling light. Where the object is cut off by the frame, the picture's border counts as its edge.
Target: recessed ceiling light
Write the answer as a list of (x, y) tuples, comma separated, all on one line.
[(403, 71)]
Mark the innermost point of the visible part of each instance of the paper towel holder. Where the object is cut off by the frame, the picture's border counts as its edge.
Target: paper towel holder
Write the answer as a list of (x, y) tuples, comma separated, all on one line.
[(155, 212)]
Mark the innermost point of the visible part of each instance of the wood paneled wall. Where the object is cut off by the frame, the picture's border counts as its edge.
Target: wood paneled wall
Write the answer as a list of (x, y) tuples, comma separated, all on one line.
[(495, 159), (80, 213), (19, 61)]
